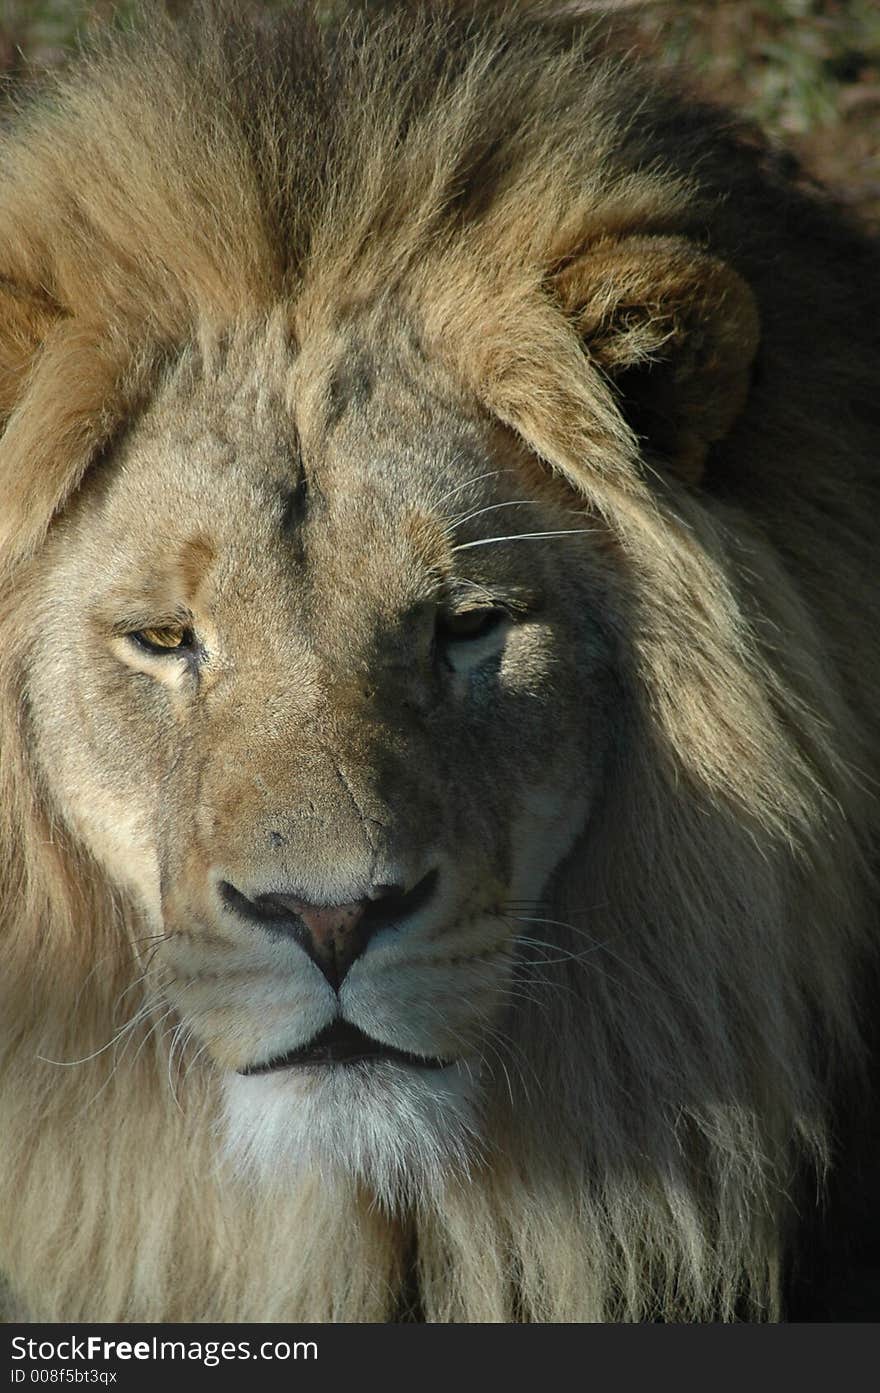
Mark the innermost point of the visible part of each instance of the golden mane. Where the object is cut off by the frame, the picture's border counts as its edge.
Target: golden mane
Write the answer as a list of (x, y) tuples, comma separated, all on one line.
[(183, 179)]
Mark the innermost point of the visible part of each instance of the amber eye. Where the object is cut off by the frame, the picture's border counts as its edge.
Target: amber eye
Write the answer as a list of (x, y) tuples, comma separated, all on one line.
[(468, 624), (171, 638)]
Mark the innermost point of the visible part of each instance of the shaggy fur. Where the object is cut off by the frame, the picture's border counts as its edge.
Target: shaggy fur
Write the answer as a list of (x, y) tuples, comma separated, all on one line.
[(593, 261)]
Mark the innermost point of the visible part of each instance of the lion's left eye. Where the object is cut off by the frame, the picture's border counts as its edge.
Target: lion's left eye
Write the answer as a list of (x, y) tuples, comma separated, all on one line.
[(469, 624), (171, 638)]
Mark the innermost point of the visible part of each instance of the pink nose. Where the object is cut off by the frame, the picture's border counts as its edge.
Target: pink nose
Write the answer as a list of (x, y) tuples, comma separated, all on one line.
[(333, 936), (337, 933)]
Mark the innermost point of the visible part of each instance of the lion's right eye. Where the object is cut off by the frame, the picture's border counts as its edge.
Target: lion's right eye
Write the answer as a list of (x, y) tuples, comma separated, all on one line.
[(171, 638), (469, 624)]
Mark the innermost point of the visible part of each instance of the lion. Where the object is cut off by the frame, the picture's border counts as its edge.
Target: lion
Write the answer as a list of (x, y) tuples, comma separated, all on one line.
[(438, 654)]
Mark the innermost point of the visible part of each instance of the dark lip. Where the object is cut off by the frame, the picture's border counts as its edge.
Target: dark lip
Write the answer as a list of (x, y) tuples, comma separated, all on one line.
[(343, 1043)]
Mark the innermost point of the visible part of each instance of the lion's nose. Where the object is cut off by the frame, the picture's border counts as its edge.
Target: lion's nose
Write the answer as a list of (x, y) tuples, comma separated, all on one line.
[(334, 936)]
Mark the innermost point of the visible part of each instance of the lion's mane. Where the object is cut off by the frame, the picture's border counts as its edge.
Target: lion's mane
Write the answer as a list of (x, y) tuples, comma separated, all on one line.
[(192, 176)]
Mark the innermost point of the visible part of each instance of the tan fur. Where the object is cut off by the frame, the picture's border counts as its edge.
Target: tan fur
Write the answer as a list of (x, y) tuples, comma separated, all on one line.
[(441, 263)]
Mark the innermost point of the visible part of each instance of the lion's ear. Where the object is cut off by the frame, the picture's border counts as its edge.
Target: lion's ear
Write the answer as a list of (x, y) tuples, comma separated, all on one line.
[(675, 329), (26, 317)]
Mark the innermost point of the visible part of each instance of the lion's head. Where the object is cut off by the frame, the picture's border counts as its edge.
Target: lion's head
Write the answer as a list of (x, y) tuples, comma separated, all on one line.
[(330, 732), (427, 764)]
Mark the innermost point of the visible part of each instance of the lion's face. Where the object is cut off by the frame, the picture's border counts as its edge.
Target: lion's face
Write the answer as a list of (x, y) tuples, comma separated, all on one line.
[(332, 729)]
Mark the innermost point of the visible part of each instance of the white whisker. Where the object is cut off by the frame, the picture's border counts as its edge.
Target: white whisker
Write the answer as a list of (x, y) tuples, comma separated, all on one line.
[(605, 945), (527, 536), (74, 1063), (462, 518), (180, 1036), (478, 478), (564, 955)]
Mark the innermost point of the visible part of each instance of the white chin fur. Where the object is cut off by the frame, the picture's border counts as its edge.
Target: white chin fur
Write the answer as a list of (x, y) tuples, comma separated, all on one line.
[(399, 1130)]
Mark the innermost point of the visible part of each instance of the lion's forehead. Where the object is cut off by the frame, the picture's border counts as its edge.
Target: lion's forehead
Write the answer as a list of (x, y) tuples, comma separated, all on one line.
[(331, 481)]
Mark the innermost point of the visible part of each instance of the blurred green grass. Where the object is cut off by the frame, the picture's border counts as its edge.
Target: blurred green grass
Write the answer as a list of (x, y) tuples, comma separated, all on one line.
[(807, 70)]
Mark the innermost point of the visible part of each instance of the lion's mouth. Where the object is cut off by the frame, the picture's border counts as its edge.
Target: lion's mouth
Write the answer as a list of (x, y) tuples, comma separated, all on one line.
[(343, 1043)]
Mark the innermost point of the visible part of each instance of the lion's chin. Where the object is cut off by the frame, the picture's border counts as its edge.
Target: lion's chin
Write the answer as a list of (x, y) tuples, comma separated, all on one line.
[(401, 1131)]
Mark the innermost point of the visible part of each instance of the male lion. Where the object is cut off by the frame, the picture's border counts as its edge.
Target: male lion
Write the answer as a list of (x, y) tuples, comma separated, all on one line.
[(439, 665)]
